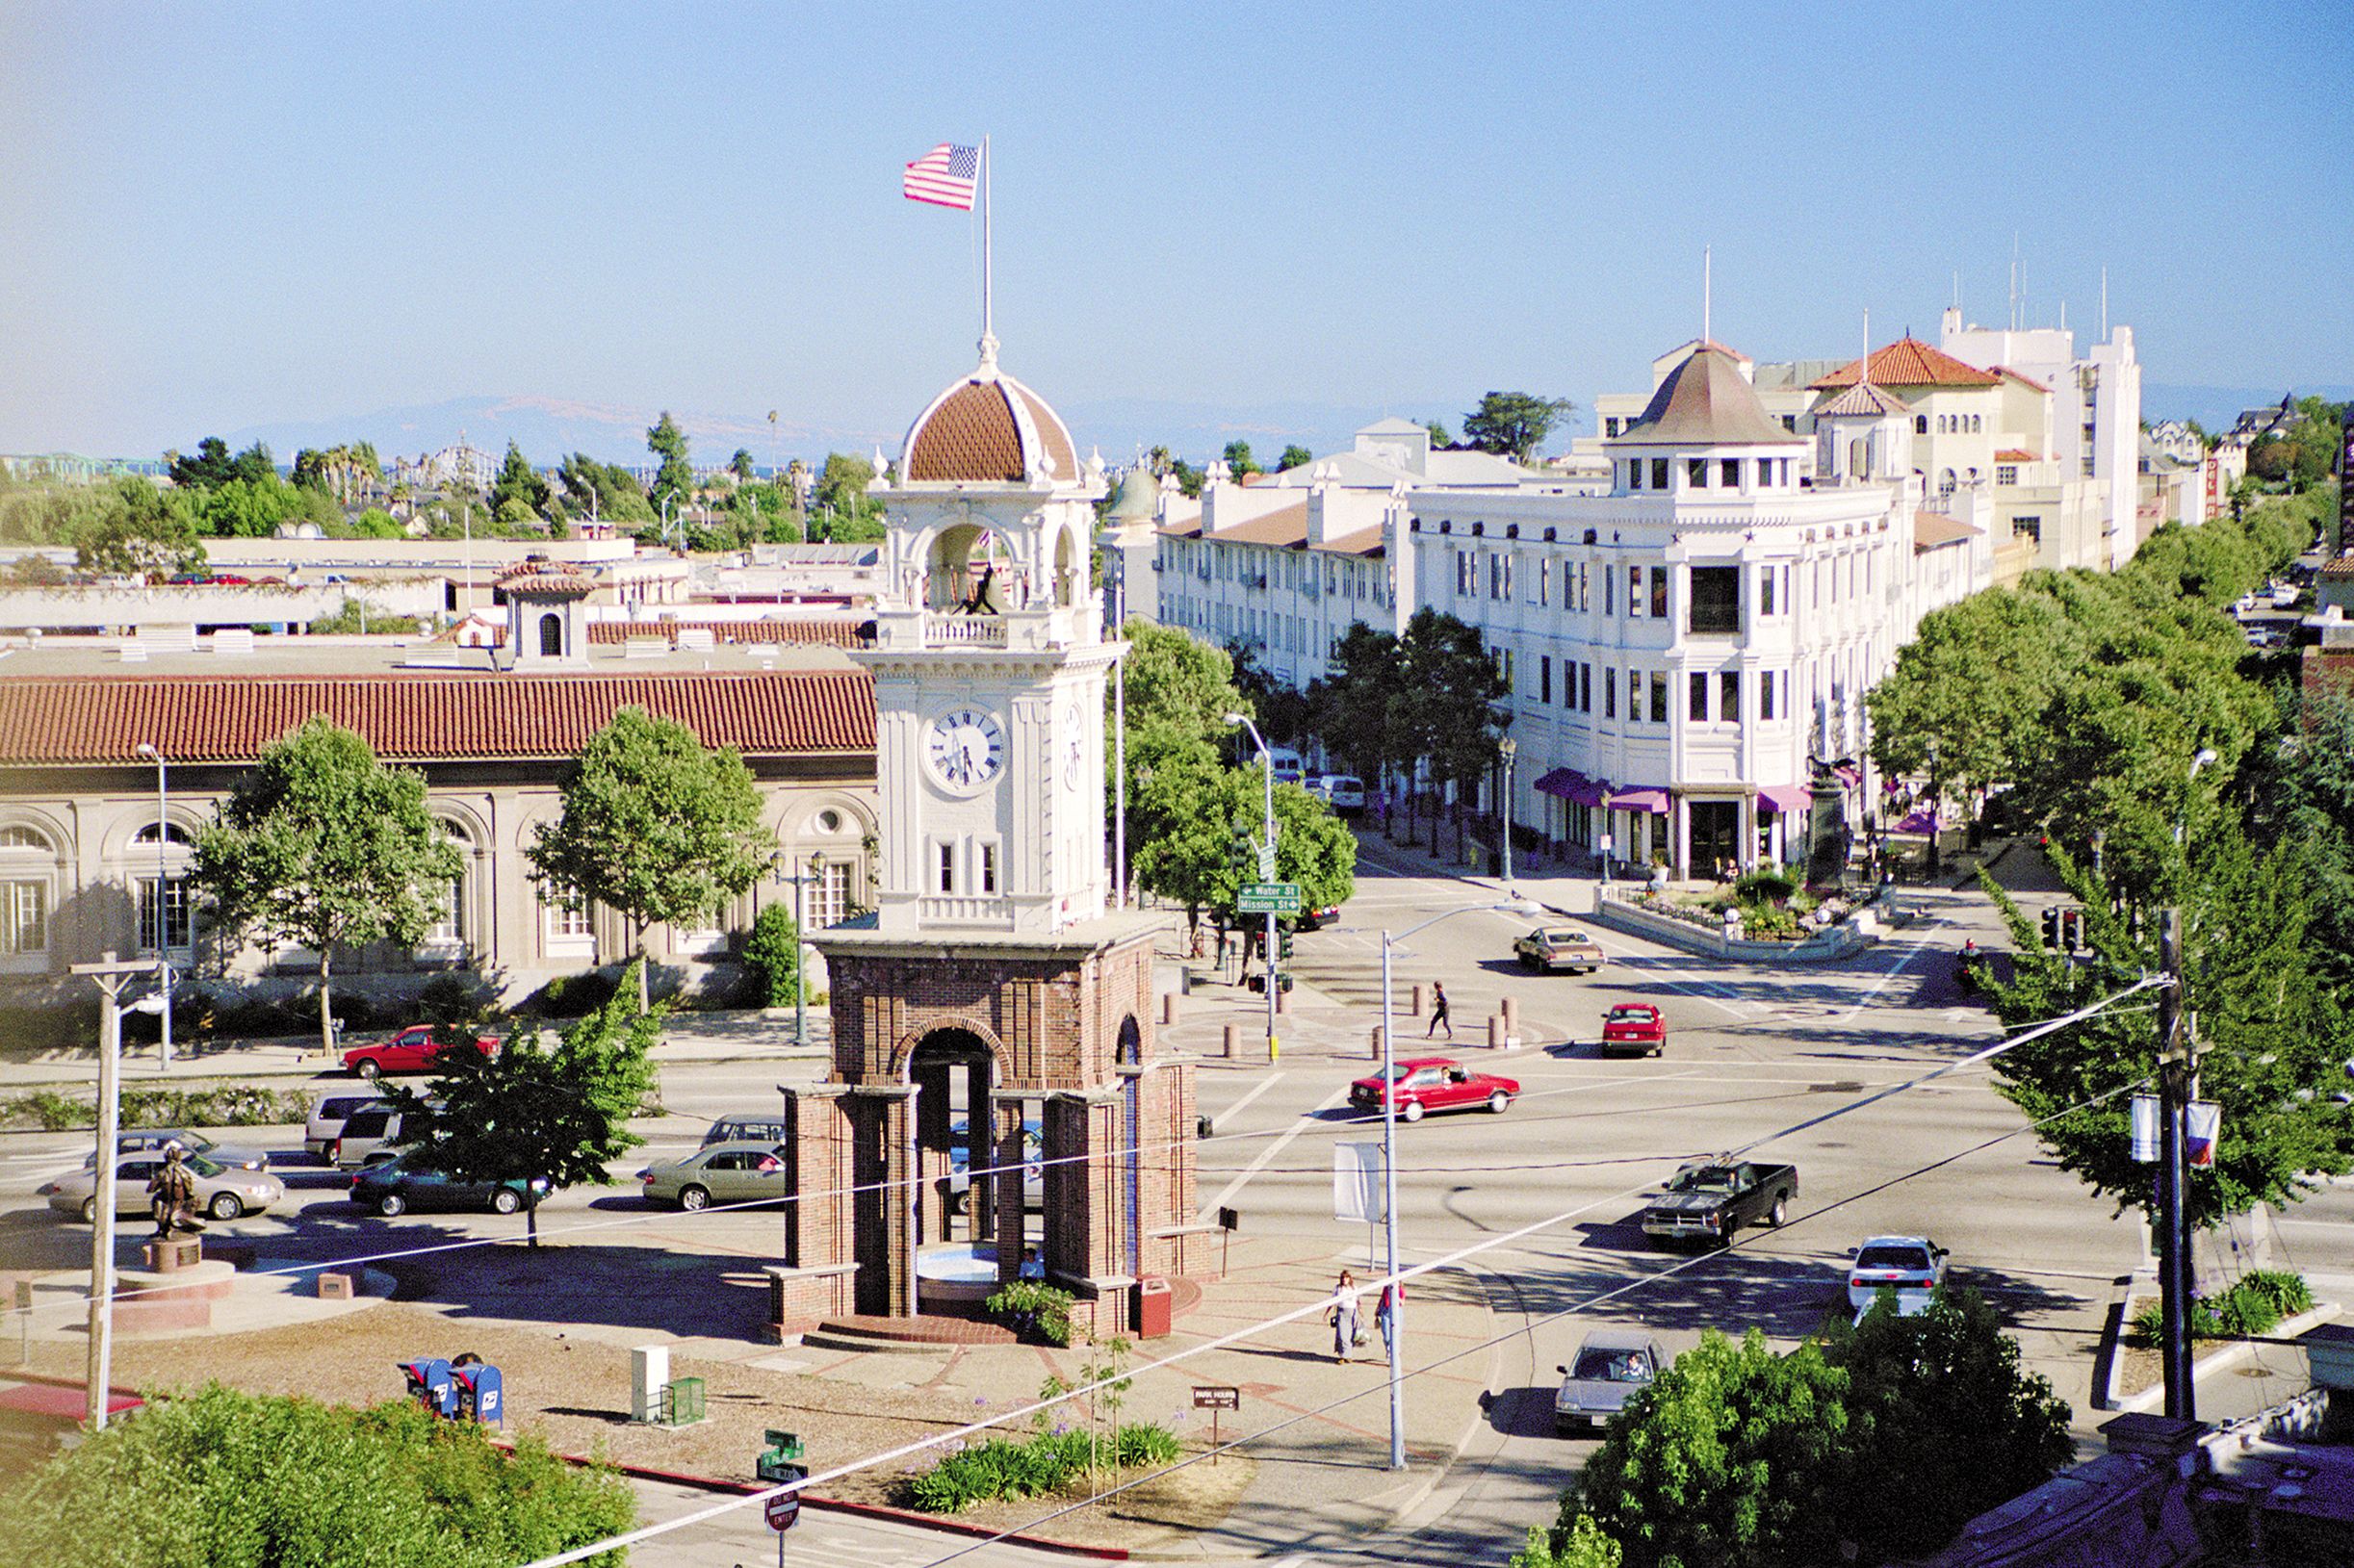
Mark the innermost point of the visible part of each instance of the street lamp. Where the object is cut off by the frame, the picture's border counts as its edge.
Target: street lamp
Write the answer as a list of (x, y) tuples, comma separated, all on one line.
[(1507, 748), (2178, 1085), (111, 975), (1266, 864), (800, 945), (162, 924), (1389, 1168)]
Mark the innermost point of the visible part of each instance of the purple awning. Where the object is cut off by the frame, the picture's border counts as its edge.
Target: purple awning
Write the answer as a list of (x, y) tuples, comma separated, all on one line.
[(1850, 774), (1784, 798), (1923, 821), (1640, 798), (1572, 785)]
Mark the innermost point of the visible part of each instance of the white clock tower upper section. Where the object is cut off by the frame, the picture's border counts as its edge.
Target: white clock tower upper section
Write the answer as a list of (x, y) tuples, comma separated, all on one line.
[(989, 663)]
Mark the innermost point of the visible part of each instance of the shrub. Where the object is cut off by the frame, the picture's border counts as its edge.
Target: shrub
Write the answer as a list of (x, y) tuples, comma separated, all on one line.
[(1026, 1303), (1036, 1466), (1769, 922), (2254, 1305), (214, 1105), (1143, 1443), (571, 996), (772, 959), (1767, 885), (453, 999)]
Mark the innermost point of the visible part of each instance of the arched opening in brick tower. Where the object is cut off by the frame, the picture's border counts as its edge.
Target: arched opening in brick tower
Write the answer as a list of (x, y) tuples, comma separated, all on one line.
[(967, 1171)]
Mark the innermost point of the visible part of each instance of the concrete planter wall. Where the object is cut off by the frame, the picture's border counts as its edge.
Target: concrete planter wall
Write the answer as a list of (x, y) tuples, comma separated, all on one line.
[(1836, 942)]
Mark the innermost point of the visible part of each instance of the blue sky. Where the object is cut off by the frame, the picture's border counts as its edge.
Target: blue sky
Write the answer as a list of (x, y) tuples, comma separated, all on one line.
[(214, 217)]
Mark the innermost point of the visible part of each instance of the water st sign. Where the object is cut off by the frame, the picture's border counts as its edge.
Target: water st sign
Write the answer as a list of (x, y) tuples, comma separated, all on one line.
[(1267, 898)]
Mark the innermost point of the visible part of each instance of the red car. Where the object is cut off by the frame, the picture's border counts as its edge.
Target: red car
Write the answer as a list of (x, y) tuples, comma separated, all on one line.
[(1434, 1083), (1634, 1029), (411, 1050)]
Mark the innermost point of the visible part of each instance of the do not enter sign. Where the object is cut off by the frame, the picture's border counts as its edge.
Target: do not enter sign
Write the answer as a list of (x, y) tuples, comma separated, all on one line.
[(782, 1510)]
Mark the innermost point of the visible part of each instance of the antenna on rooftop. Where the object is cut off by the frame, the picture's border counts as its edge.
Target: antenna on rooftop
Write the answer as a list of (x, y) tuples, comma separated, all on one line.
[(1707, 289), (2014, 280), (1863, 373), (2103, 305)]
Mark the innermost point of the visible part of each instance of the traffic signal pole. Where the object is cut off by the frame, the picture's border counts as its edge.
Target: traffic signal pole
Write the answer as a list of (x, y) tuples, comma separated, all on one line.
[(2174, 1087)]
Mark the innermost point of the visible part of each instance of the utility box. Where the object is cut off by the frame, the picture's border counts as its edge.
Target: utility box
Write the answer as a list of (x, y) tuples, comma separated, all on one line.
[(649, 1373), (1152, 1313)]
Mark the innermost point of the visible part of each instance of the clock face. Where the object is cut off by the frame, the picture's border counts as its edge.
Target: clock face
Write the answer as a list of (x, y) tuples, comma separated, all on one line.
[(966, 748)]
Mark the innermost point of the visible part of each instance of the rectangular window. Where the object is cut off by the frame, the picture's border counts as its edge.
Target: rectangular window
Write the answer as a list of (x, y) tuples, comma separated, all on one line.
[(1715, 606), (826, 894), (1634, 695), (1658, 593), (1634, 473), (1607, 580), (1728, 697), (1764, 694), (1609, 428), (1545, 584), (1697, 709), (24, 918), (1460, 567), (1658, 473), (1610, 694), (450, 931), (1659, 696), (567, 924), (1545, 677), (986, 876), (1495, 576), (176, 913), (1695, 472), (2006, 473), (1728, 473), (1585, 688), (1634, 590), (944, 855)]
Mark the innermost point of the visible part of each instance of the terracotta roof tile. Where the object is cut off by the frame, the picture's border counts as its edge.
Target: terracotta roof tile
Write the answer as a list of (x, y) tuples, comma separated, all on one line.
[(547, 580), (415, 718), (1933, 529), (1284, 526), (1706, 402), (1050, 430), (836, 633), (2005, 372), (1908, 362), (1365, 542), (2016, 454), (971, 439)]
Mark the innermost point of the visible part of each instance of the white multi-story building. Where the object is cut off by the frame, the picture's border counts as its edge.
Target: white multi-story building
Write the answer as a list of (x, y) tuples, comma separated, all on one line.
[(1286, 564), (1688, 652)]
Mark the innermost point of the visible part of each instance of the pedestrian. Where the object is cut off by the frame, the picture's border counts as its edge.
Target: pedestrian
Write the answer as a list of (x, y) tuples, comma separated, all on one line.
[(172, 1195), (1033, 1267), (1438, 1012), (1386, 1318), (1343, 1316)]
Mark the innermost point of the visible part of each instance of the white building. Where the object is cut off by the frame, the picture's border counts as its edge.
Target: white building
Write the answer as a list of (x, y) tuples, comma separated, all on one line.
[(1684, 651)]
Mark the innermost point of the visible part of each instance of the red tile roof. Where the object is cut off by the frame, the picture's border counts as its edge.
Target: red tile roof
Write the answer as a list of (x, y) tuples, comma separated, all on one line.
[(2007, 371), (836, 633), (970, 436), (1284, 526), (1908, 362), (2016, 454), (1365, 542), (415, 718), (1931, 529)]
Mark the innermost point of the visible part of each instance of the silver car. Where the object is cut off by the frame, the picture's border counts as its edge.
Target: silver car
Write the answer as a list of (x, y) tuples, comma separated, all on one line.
[(156, 1139), (1612, 1366), (743, 1170), (222, 1191)]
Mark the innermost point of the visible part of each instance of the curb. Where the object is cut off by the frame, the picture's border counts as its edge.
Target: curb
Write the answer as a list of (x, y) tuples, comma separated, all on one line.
[(2231, 1355)]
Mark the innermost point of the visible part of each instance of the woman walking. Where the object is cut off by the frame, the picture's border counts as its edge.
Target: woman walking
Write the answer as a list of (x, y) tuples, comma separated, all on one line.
[(1344, 1315), (1438, 1012)]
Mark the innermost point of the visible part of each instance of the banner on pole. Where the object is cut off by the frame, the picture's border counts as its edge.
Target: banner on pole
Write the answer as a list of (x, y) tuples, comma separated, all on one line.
[(2145, 1128), (1356, 1190), (2202, 1127)]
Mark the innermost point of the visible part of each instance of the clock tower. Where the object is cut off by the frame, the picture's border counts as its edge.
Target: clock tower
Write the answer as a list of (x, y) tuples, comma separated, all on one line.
[(995, 1085)]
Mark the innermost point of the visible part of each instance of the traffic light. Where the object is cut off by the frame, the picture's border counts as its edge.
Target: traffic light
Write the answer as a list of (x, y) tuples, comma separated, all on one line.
[(2050, 926), (1283, 944), (2072, 929)]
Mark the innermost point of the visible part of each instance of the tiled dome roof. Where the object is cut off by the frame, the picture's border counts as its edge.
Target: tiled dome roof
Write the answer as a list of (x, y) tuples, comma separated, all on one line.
[(1706, 402), (989, 428)]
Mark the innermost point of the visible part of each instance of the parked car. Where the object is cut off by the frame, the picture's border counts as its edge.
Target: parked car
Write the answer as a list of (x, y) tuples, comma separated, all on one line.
[(1033, 1168), (1560, 947), (371, 1131), (1634, 1029), (411, 1050), (222, 1191), (743, 1171), (2284, 596), (156, 1139), (1315, 919), (767, 1129), (1612, 1366), (1289, 768), (402, 1183), (1709, 1201), (1913, 1267), (1343, 793), (328, 1114), (1434, 1083)]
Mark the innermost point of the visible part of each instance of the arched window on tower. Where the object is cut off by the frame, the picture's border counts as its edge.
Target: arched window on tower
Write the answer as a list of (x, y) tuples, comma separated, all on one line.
[(28, 871), (550, 635)]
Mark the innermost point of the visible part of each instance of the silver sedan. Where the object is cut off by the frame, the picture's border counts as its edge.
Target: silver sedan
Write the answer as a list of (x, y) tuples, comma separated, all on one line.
[(222, 1191), (738, 1171)]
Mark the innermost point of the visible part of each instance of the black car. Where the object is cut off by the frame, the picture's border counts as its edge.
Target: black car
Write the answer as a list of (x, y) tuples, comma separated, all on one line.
[(392, 1187)]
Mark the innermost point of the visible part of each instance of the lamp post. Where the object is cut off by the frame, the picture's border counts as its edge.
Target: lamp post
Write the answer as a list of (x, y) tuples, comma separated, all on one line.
[(112, 975), (1508, 749), (1266, 862), (163, 923), (1605, 835), (1390, 1168), (2178, 1085)]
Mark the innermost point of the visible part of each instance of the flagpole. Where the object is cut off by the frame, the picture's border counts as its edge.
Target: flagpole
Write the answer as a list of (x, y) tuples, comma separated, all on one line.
[(988, 330)]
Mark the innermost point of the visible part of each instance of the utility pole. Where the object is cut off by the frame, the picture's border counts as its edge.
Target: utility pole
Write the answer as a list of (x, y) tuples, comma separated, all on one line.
[(111, 976), (2175, 1090)]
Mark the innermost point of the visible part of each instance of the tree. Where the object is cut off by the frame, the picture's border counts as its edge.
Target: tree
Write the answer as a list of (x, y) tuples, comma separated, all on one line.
[(143, 531), (518, 484), (654, 825), (1445, 712), (1514, 424), (210, 466), (1238, 459), (1180, 691), (1358, 708), (1210, 815), (673, 480), (851, 514), (378, 523), (740, 465), (772, 953), (530, 1112), (321, 846), (1441, 441), (1294, 456), (256, 1481)]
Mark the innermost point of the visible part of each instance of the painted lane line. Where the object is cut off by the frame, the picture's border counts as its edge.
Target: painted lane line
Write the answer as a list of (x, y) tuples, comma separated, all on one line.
[(1266, 1156), (1237, 1108)]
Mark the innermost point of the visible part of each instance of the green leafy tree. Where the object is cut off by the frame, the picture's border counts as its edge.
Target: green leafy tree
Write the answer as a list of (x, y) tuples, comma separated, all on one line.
[(253, 465), (773, 954), (375, 523), (321, 846), (1294, 456), (1357, 706), (532, 1111), (1441, 441), (1446, 712), (673, 480), (518, 485), (1209, 810), (1180, 691), (740, 465), (844, 512), (605, 491), (231, 1479), (212, 466), (1238, 459), (141, 531), (1514, 424), (655, 824), (1582, 1545)]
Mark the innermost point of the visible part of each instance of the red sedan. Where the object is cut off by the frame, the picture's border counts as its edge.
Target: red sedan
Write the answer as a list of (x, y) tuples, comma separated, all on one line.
[(1634, 1029), (411, 1050), (1434, 1083)]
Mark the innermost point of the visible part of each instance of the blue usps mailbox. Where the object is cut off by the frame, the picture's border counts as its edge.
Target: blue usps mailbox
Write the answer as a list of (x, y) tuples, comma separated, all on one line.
[(482, 1394), (431, 1385)]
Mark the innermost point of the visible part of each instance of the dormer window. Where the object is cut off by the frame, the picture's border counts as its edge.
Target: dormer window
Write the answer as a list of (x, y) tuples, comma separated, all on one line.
[(1729, 472), (1695, 472), (1634, 473), (1658, 473)]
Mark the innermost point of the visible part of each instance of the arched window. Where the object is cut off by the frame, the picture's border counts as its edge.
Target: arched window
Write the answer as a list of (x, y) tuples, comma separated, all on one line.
[(1920, 424), (1945, 481), (550, 635), (448, 934), (173, 833), (28, 868), (1859, 458)]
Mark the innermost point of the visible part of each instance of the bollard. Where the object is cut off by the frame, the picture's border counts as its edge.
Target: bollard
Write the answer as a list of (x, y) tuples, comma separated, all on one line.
[(1377, 1042), (1169, 1006), (649, 1371), (1282, 1001), (1511, 1018), (334, 1287), (1233, 1038), (1422, 1001), (1495, 1032)]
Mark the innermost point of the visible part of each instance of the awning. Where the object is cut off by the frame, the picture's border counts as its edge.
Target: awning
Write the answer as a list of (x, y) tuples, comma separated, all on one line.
[(1923, 821), (1850, 774), (1572, 785), (1784, 798), (1640, 798)]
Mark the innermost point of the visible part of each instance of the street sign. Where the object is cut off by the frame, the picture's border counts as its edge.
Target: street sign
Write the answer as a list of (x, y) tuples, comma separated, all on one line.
[(1212, 1397), (1266, 862), (783, 1510), (1267, 898)]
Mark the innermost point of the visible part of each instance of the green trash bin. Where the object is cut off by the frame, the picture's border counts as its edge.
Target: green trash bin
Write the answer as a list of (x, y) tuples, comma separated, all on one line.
[(683, 1401)]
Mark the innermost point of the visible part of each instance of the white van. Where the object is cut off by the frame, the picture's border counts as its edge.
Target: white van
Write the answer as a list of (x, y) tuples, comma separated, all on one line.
[(1289, 768), (1343, 793)]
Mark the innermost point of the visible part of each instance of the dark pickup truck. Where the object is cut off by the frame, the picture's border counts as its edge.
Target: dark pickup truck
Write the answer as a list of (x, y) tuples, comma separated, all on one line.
[(1709, 1201)]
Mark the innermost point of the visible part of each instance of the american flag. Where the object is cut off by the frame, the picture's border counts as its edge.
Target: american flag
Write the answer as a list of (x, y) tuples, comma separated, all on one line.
[(945, 176)]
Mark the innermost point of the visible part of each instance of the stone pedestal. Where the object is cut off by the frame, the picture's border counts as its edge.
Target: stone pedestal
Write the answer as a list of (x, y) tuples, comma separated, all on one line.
[(170, 1255)]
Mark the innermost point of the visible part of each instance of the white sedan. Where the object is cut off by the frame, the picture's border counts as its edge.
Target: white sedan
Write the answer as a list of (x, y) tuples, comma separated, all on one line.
[(1914, 1267)]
